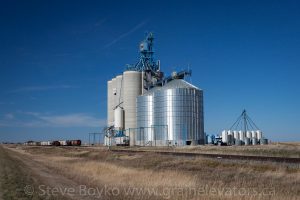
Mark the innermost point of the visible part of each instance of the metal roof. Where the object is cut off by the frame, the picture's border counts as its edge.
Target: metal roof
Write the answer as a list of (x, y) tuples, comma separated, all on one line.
[(174, 84)]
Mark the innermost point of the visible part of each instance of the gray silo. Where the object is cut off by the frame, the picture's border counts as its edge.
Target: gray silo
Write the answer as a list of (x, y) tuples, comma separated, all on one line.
[(171, 115)]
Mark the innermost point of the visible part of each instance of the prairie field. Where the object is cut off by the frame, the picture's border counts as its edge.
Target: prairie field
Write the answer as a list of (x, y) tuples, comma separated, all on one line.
[(29, 172)]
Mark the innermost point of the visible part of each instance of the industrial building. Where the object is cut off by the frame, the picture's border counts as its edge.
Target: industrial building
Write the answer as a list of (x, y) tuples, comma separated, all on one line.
[(147, 108)]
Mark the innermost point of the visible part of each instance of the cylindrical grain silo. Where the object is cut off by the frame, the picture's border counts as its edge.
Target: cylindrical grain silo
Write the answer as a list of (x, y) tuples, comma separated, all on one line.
[(132, 87), (119, 118), (253, 135), (248, 134), (177, 115), (242, 135), (224, 136), (230, 138), (236, 136), (114, 99), (119, 92), (258, 134), (110, 111), (145, 119)]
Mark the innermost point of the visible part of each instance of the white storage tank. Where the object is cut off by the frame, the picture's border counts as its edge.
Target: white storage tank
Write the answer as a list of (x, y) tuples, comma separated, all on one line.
[(248, 134), (132, 87), (259, 134), (253, 134), (236, 135), (242, 135), (224, 136), (119, 118)]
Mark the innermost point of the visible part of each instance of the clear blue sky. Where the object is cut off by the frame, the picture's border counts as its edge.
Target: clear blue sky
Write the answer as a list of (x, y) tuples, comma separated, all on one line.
[(56, 57)]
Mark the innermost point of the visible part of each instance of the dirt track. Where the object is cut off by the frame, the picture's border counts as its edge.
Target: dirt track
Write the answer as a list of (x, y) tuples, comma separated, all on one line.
[(39, 181)]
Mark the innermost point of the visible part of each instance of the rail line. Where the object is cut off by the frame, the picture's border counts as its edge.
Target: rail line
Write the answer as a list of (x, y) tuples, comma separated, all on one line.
[(217, 156)]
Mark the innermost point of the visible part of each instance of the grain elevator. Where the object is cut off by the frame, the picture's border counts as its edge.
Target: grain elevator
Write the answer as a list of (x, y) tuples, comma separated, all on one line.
[(147, 108)]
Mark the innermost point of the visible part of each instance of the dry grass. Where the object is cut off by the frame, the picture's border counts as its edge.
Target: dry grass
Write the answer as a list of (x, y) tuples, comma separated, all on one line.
[(215, 179), (274, 149)]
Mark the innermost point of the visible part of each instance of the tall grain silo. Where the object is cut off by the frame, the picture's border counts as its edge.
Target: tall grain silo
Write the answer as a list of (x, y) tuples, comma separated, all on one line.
[(110, 112), (119, 92), (132, 88)]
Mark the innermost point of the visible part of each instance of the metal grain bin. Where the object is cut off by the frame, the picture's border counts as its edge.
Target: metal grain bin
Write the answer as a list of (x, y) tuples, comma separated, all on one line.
[(175, 113)]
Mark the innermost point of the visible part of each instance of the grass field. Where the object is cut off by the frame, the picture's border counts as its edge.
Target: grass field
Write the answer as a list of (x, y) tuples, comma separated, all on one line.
[(96, 173)]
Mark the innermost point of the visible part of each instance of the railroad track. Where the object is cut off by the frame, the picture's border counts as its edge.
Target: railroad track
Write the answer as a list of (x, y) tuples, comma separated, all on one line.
[(217, 156)]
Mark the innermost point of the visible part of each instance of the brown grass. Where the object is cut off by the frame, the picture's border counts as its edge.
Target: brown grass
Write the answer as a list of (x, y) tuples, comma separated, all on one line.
[(97, 167)]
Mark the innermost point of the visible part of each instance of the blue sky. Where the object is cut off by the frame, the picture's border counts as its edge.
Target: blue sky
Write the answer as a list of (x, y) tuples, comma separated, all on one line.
[(56, 57)]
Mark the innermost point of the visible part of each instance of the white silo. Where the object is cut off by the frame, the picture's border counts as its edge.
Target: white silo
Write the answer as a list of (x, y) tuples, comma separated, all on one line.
[(236, 135), (119, 118), (224, 136), (259, 135), (242, 135), (253, 134), (119, 92), (110, 111), (230, 138), (248, 134), (132, 87)]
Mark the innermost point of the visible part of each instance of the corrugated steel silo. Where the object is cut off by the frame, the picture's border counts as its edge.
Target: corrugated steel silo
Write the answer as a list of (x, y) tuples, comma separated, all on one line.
[(177, 113), (144, 119)]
